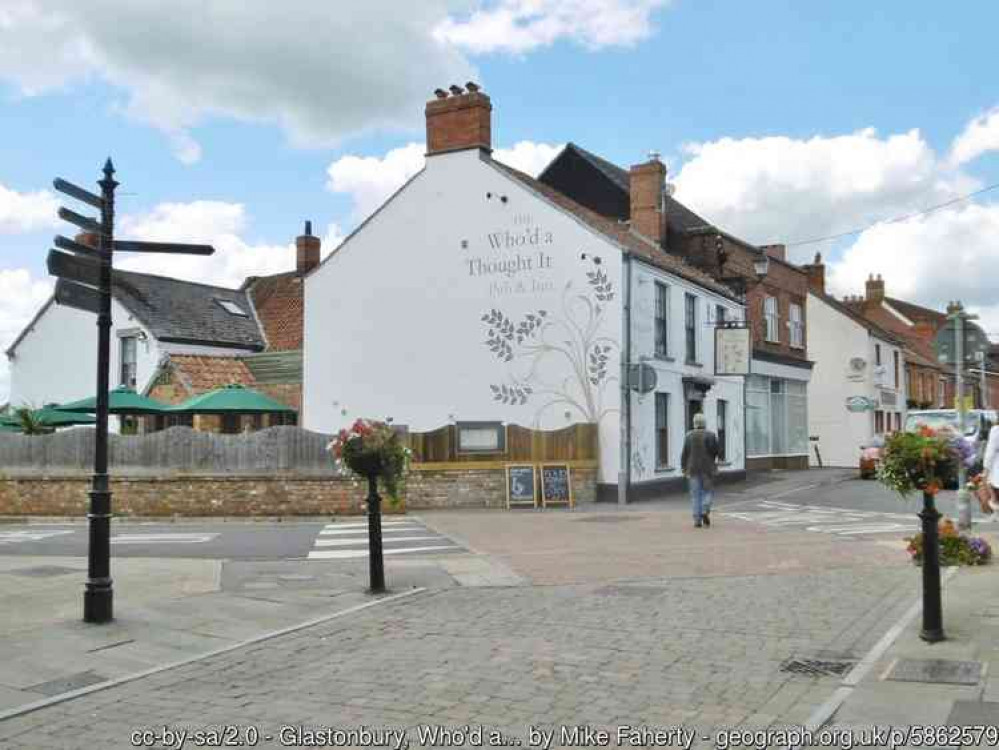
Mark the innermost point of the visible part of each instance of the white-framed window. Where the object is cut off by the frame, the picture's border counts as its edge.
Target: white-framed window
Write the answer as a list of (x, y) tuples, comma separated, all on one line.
[(662, 320), (770, 317), (129, 364), (481, 437), (797, 326), (690, 326), (662, 430)]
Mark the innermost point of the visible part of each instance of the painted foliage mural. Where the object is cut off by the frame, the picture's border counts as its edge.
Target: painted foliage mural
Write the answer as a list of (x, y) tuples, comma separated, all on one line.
[(568, 341)]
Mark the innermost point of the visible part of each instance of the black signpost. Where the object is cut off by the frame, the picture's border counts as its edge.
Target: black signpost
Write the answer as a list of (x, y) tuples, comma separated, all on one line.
[(85, 275)]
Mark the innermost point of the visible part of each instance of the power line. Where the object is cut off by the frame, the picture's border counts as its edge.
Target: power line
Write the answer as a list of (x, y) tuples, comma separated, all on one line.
[(894, 220)]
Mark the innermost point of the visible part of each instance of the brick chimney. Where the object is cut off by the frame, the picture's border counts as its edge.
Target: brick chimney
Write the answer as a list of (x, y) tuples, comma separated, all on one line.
[(647, 185), (306, 251), (816, 271), (459, 120), (875, 291), (775, 251), (90, 239)]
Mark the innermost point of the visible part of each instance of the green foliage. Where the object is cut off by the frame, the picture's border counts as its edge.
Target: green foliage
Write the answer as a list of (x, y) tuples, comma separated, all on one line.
[(955, 548), (29, 423), (372, 448), (923, 461)]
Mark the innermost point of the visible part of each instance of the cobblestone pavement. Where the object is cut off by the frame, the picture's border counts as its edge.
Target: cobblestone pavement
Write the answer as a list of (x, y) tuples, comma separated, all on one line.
[(703, 652)]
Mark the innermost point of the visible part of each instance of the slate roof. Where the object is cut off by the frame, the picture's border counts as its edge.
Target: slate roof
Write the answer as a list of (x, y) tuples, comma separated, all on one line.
[(678, 216), (186, 312), (280, 304), (621, 234)]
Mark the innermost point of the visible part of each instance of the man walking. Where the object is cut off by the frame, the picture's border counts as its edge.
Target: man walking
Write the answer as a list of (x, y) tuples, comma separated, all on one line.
[(700, 453)]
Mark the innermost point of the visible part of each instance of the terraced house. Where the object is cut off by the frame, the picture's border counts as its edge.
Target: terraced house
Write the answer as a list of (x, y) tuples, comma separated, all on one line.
[(774, 292)]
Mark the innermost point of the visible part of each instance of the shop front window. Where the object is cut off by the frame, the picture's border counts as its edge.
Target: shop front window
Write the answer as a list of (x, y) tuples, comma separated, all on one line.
[(758, 416)]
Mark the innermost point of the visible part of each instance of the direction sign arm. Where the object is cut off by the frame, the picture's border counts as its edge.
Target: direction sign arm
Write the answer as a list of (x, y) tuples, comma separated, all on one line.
[(79, 193), (84, 222), (179, 248), (64, 243)]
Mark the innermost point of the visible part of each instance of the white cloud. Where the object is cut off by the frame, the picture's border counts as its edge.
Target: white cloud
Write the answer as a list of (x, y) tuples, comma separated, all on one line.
[(980, 136), (519, 26), (217, 223), (26, 212), (778, 189), (21, 296), (947, 255), (319, 70), (370, 180)]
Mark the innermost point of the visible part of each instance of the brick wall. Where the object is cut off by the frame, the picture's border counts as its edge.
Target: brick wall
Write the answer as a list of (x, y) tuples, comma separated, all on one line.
[(785, 282), (266, 495)]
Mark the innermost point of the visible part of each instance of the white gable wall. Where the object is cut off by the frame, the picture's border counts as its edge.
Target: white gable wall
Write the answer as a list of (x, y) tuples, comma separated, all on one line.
[(394, 318), (56, 361)]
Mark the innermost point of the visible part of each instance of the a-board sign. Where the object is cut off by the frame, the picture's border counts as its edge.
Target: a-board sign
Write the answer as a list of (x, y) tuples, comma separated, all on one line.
[(521, 488), (556, 486)]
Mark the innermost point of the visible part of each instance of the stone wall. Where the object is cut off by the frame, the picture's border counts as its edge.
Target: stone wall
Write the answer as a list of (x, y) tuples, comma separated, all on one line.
[(271, 495)]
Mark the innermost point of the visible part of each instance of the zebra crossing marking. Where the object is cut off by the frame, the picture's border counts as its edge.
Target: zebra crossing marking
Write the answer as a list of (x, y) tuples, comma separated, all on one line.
[(346, 541)]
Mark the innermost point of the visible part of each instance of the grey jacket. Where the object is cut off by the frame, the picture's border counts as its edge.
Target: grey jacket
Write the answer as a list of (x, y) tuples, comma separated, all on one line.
[(699, 457)]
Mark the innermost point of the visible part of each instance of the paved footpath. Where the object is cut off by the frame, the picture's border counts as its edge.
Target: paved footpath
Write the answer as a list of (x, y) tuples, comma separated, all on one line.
[(702, 652)]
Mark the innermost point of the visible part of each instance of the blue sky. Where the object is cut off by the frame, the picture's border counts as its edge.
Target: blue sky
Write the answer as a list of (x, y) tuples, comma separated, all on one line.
[(233, 129)]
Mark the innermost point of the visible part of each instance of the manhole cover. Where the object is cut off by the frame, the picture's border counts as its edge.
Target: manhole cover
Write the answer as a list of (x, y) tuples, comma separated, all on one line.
[(44, 571), (816, 667), (65, 684), (606, 519), (938, 671), (621, 590)]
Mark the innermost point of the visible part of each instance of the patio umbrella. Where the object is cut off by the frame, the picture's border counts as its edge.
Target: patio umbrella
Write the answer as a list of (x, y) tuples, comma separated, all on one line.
[(232, 399), (49, 416), (121, 400)]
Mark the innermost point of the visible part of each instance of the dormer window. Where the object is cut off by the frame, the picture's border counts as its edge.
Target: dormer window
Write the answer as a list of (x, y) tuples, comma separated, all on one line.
[(232, 308)]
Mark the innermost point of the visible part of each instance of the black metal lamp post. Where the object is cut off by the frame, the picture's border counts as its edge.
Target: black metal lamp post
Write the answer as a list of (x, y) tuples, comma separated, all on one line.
[(932, 631), (376, 566)]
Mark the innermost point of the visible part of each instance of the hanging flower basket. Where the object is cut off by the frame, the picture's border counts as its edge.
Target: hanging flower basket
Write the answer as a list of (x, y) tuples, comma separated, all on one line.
[(372, 449), (924, 461)]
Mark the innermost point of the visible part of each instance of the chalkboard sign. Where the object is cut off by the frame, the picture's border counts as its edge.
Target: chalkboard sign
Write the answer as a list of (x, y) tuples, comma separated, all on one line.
[(521, 488), (556, 485)]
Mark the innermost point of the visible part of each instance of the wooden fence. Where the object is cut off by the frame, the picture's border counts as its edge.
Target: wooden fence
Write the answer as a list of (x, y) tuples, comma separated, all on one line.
[(291, 450), (575, 443)]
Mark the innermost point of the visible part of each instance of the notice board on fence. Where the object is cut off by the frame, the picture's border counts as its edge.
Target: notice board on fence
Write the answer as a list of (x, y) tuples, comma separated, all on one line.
[(521, 487), (556, 485)]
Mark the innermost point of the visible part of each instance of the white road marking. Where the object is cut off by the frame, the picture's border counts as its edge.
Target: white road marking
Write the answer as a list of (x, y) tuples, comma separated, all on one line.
[(348, 542), (825, 520), (162, 538), (11, 537), (364, 531), (364, 524), (353, 553)]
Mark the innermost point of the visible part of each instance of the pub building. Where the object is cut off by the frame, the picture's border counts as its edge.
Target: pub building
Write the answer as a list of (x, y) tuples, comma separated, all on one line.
[(480, 296)]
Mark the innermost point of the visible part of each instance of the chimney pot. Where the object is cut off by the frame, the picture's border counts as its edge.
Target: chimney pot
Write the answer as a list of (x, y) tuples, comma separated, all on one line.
[(459, 122), (875, 289), (816, 275), (307, 251)]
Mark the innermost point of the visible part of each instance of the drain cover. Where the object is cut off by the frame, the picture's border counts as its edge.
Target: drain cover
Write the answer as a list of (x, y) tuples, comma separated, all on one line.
[(606, 519), (815, 667), (65, 684), (938, 671), (44, 571), (621, 590)]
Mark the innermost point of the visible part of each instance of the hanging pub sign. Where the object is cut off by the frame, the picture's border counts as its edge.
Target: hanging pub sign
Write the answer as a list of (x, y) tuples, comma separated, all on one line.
[(733, 350), (556, 485), (521, 489)]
